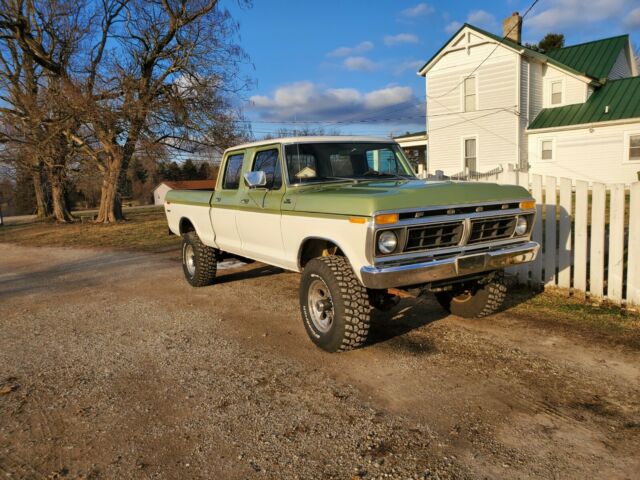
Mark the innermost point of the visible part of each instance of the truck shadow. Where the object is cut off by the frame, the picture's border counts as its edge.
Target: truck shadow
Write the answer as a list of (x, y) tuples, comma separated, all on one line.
[(245, 273), (392, 327)]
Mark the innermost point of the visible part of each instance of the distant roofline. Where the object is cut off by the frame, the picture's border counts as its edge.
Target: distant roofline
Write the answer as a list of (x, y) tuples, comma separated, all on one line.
[(520, 48), (414, 134)]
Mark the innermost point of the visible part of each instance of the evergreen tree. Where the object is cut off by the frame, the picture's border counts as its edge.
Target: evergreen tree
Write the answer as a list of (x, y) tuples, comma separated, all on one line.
[(189, 170)]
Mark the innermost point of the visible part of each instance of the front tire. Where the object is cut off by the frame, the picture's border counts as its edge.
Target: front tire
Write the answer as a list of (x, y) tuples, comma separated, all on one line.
[(476, 299), (334, 305), (199, 262)]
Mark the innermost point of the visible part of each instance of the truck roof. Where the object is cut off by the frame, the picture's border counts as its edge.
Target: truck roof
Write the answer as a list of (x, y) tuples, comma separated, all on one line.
[(314, 139)]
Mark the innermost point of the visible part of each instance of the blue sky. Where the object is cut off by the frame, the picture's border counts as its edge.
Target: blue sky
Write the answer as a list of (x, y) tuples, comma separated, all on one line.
[(351, 65)]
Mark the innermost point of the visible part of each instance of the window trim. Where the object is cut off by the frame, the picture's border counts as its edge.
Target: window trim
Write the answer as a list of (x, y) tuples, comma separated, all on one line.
[(264, 148), (463, 93), (626, 157), (549, 95), (224, 171), (553, 149), (463, 152)]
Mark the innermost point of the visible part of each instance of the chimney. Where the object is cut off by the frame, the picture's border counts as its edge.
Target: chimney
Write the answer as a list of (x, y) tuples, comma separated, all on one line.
[(512, 28)]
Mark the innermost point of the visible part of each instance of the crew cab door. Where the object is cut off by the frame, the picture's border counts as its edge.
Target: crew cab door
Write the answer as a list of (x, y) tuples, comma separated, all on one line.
[(259, 215), (225, 202)]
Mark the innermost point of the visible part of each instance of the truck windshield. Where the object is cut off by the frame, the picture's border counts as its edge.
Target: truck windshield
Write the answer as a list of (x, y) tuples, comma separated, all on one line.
[(324, 162)]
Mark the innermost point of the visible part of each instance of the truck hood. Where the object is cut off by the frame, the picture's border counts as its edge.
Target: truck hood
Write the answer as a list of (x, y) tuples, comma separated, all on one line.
[(367, 197)]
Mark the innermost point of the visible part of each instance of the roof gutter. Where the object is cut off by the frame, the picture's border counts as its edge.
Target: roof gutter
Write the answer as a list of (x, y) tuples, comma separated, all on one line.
[(605, 123)]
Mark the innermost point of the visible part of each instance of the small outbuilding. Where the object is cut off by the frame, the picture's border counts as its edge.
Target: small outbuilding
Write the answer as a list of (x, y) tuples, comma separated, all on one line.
[(160, 192)]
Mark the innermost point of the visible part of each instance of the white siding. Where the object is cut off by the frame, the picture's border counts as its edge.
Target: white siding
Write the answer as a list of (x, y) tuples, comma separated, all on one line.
[(574, 90), (494, 124), (593, 156), (524, 110), (535, 90), (621, 68)]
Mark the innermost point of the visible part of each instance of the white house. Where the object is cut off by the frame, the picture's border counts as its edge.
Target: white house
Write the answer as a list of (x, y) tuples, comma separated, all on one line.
[(161, 190), (573, 112)]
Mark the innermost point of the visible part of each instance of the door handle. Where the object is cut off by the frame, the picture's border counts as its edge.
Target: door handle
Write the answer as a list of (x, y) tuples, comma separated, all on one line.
[(287, 201), (244, 201), (218, 199)]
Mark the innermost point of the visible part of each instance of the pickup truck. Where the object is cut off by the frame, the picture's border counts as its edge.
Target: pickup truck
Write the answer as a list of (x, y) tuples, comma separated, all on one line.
[(350, 215)]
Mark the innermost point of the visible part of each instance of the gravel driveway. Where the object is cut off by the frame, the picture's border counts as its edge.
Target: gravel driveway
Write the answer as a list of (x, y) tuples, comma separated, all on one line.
[(111, 366)]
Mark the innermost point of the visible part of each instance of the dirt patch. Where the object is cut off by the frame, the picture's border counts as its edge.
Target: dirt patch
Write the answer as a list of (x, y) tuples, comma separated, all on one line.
[(114, 367)]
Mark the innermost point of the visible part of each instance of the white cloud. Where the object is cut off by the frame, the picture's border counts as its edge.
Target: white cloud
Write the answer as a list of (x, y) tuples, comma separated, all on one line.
[(346, 51), (419, 10), (360, 64), (632, 21), (308, 101), (575, 13), (408, 65), (452, 27), (479, 18), (483, 19), (390, 40)]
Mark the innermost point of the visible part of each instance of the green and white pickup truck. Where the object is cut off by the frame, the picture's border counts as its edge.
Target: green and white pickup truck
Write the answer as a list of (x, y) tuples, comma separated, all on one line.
[(352, 217)]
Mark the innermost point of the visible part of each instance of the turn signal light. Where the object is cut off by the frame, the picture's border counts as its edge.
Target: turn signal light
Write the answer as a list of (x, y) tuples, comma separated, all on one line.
[(528, 205), (357, 220), (387, 219)]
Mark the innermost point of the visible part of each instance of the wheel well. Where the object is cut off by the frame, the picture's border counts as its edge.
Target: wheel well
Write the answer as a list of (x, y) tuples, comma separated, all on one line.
[(186, 226), (317, 247)]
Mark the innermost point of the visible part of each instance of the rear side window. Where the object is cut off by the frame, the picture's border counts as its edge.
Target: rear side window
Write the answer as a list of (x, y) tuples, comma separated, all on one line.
[(231, 179), (269, 162)]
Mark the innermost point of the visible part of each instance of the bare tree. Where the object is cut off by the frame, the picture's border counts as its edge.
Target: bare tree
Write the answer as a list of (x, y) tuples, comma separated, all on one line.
[(37, 44), (154, 71)]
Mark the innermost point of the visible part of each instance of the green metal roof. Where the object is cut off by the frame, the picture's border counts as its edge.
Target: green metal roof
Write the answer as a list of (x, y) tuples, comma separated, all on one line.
[(587, 59), (595, 58), (621, 96)]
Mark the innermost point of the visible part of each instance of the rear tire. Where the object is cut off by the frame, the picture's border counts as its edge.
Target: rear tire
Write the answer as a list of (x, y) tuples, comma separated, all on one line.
[(199, 262), (476, 299), (334, 305)]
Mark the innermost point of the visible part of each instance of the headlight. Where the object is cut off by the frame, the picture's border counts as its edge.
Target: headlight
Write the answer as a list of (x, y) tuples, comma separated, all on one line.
[(521, 226), (387, 242)]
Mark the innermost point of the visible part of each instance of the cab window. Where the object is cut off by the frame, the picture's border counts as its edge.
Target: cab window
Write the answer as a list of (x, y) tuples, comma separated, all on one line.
[(231, 179), (269, 162)]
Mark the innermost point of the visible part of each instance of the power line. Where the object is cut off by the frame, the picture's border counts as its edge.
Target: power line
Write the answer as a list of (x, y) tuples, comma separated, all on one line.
[(487, 57)]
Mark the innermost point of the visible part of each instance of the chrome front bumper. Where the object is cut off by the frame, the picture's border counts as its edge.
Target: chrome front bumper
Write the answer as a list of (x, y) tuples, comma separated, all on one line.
[(381, 277)]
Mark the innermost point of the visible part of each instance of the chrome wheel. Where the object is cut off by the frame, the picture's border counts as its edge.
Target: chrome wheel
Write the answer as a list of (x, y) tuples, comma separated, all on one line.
[(320, 305), (189, 258)]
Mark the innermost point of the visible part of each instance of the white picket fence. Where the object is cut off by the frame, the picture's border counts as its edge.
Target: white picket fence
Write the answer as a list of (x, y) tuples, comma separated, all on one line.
[(590, 236)]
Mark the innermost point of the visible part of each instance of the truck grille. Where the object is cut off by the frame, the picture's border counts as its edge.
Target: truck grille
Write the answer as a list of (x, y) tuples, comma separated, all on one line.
[(487, 229), (437, 235)]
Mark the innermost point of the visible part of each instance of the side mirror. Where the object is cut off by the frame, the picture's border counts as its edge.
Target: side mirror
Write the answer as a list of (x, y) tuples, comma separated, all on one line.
[(255, 179)]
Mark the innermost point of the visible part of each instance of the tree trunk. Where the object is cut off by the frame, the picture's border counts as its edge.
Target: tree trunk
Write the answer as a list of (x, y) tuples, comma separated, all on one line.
[(110, 206), (42, 206), (60, 211)]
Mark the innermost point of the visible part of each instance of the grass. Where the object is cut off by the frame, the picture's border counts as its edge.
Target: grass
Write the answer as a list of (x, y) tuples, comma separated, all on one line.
[(577, 314), (145, 230)]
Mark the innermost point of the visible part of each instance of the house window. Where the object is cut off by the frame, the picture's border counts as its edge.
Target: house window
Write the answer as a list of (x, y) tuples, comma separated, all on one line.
[(470, 94), (470, 155), (546, 149), (634, 148), (556, 93)]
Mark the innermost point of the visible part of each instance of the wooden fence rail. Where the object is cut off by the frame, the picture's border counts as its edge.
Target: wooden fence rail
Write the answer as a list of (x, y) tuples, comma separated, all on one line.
[(590, 236)]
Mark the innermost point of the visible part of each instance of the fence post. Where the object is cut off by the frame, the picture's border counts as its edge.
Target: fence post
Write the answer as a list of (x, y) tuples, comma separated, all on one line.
[(616, 243), (580, 248), (596, 270), (536, 191), (550, 200), (633, 260), (564, 253)]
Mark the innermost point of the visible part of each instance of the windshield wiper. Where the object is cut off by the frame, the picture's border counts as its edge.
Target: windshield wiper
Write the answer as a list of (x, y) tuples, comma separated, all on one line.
[(385, 175)]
